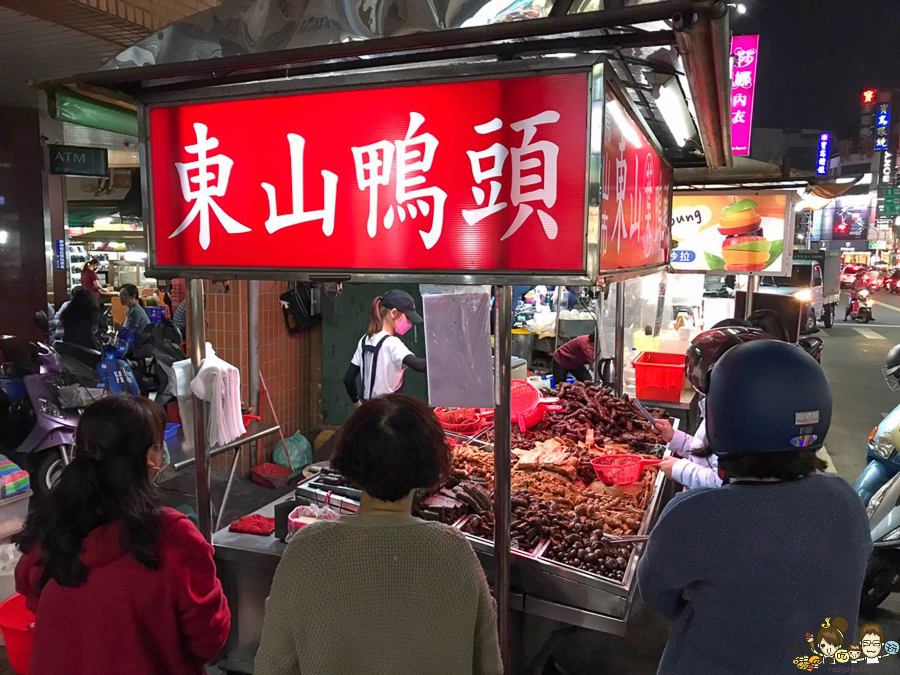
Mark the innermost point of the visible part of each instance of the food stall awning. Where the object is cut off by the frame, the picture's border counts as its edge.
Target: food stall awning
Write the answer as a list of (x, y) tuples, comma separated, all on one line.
[(744, 173), (679, 45)]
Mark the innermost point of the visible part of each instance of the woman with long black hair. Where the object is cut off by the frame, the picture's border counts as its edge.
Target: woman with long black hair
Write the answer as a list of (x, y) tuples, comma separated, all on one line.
[(81, 319), (118, 584)]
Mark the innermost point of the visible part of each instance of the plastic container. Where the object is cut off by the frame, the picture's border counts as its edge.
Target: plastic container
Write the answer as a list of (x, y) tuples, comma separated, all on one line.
[(12, 514), (461, 420), (620, 469), (17, 626), (570, 379), (155, 314), (526, 405), (659, 376)]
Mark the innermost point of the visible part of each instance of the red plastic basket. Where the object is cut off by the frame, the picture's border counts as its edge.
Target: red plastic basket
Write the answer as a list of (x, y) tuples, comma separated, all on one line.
[(17, 626), (461, 420), (659, 376), (620, 469), (526, 405)]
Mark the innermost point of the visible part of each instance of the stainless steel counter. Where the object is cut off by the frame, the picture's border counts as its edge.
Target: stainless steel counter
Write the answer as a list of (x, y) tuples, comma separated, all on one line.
[(539, 586), (550, 589), (246, 566)]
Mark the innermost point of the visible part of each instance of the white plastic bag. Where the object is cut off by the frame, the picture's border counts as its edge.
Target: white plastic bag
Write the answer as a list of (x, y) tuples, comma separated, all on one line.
[(9, 557), (299, 517)]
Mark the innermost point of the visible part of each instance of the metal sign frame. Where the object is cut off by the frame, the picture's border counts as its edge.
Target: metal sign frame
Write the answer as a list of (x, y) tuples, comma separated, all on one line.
[(788, 251), (377, 78), (601, 78)]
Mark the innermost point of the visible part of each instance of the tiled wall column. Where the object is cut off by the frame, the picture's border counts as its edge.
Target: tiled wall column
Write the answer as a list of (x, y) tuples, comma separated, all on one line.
[(290, 364)]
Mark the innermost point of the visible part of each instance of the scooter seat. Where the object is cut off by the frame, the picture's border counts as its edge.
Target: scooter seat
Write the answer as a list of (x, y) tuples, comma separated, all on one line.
[(88, 357)]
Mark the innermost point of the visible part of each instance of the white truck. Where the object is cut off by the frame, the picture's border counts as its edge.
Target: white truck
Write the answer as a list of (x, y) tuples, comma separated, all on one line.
[(816, 281)]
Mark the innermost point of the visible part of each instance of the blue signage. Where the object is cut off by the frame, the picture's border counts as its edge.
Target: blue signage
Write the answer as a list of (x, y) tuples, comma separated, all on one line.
[(60, 249), (882, 126), (824, 154), (680, 256)]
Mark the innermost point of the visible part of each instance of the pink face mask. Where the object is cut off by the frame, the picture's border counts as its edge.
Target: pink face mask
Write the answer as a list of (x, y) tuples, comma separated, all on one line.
[(403, 327)]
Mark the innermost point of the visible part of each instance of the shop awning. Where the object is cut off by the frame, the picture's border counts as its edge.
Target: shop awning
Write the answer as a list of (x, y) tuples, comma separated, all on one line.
[(647, 44)]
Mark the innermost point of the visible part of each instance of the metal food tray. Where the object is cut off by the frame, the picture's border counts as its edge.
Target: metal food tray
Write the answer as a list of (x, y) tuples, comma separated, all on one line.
[(551, 589)]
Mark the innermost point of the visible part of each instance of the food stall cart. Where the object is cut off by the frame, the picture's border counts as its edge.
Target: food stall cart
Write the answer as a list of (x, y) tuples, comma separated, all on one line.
[(563, 241), (244, 178)]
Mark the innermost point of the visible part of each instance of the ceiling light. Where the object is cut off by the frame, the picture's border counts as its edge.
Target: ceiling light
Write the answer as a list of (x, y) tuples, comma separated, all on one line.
[(4, 237), (741, 8), (626, 125), (671, 104)]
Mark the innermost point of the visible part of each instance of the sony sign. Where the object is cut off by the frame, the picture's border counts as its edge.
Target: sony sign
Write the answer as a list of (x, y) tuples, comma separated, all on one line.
[(887, 168)]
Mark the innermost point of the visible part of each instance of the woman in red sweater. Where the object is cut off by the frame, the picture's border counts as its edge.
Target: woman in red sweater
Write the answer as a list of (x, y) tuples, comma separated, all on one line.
[(118, 584)]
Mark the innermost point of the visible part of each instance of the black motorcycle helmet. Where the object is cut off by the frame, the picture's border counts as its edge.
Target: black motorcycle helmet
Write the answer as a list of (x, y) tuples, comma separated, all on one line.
[(891, 370), (767, 396), (708, 347)]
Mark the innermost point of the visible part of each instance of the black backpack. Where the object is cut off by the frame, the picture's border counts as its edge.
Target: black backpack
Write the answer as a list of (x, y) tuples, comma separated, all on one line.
[(297, 305)]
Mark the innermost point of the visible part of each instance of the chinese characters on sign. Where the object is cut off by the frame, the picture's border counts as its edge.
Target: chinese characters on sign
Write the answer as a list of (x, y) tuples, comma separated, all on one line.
[(634, 220), (481, 175), (867, 113), (824, 154), (882, 125), (744, 51)]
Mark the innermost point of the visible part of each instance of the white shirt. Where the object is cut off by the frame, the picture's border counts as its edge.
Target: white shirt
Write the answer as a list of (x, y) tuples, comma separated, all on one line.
[(389, 370)]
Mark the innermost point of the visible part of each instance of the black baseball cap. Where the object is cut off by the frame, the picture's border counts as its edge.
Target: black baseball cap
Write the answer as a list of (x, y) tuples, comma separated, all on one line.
[(402, 302)]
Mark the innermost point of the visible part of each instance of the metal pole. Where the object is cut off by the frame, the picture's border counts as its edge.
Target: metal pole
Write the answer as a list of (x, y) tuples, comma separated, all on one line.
[(556, 325), (752, 288), (598, 331), (620, 338), (201, 452), (502, 378), (253, 354)]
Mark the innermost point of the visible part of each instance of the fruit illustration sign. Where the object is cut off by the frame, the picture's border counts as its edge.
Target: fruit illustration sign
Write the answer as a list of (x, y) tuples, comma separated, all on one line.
[(738, 234)]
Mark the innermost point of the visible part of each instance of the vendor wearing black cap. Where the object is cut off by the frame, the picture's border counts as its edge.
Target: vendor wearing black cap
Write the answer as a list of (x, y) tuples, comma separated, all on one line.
[(381, 357)]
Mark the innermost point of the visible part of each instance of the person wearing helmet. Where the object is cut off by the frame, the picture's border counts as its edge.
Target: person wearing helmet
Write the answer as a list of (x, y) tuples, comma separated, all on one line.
[(891, 370), (381, 358), (687, 465), (859, 283), (779, 546)]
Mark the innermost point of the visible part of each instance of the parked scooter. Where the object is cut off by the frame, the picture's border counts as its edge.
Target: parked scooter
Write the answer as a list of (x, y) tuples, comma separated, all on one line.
[(883, 449), (40, 433), (861, 306), (883, 571)]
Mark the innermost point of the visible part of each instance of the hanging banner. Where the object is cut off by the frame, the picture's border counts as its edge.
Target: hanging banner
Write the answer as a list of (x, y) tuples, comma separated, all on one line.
[(744, 50), (883, 121), (737, 234), (824, 154), (636, 190), (480, 176)]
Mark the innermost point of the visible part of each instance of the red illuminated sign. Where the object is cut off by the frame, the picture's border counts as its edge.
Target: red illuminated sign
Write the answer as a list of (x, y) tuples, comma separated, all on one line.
[(478, 176), (636, 195), (868, 96)]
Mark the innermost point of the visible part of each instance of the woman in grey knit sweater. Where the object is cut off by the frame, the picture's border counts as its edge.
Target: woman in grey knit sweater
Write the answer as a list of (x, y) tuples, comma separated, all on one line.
[(382, 592)]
